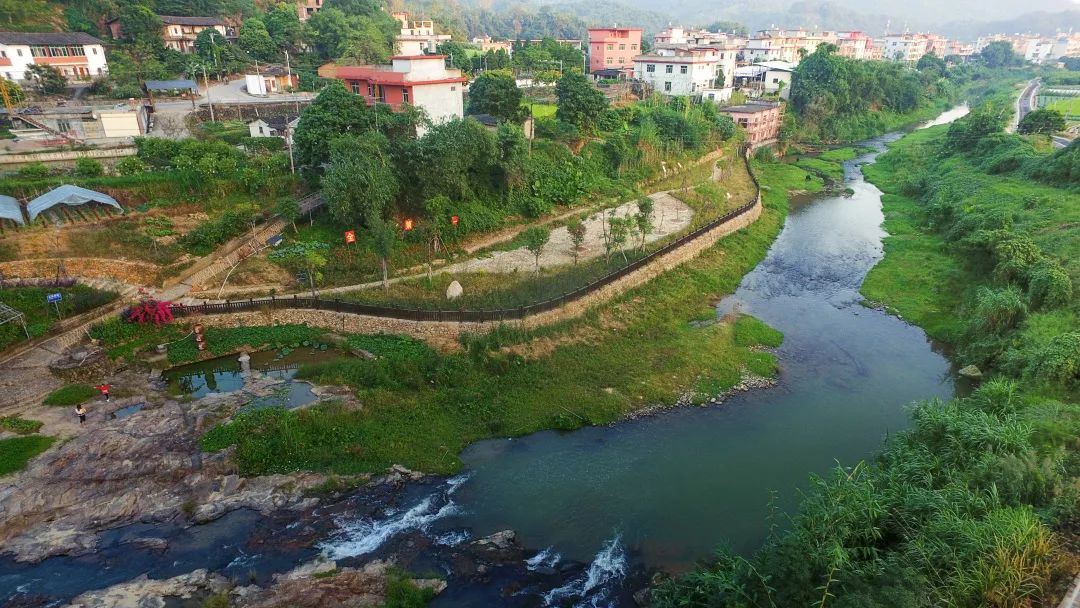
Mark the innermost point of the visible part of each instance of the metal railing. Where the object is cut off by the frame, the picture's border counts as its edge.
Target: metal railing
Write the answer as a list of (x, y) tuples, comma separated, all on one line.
[(467, 315)]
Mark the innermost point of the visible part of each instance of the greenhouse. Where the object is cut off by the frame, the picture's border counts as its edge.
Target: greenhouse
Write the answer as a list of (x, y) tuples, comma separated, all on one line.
[(11, 210), (71, 196)]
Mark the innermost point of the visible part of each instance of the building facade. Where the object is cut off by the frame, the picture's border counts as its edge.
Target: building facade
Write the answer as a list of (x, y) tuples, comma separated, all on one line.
[(422, 81), (485, 44), (76, 55), (761, 121), (417, 37), (679, 72), (306, 8), (179, 33), (613, 48)]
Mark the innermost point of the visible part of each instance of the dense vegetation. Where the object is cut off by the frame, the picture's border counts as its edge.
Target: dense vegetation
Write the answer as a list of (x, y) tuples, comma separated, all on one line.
[(974, 505), (835, 98)]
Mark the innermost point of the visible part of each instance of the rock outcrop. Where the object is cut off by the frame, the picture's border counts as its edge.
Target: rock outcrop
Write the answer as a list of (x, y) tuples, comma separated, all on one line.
[(145, 467)]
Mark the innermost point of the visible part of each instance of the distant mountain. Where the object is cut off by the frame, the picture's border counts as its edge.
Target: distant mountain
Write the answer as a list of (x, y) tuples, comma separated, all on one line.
[(1040, 22)]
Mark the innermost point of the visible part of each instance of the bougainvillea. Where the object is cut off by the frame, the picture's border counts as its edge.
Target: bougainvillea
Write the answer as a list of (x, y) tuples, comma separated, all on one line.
[(157, 312)]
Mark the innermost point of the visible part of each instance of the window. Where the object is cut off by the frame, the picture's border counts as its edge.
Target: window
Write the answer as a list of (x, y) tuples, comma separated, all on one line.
[(63, 126), (370, 90), (3, 53), (650, 67), (19, 51), (611, 47), (261, 130), (39, 51), (668, 68), (622, 47), (667, 86), (633, 47), (93, 49), (453, 88), (682, 69), (356, 88), (405, 95), (609, 60)]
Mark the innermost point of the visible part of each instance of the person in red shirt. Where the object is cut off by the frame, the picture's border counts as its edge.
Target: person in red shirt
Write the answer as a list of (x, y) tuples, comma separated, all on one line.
[(104, 388)]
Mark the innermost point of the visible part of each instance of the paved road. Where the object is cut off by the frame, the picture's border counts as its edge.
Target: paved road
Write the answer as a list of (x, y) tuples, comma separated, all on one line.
[(1024, 104)]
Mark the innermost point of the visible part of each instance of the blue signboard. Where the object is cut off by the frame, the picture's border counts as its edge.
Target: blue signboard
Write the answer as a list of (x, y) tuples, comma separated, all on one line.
[(53, 298)]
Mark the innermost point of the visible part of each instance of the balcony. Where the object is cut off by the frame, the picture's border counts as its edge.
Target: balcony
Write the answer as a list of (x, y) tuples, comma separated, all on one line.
[(73, 60)]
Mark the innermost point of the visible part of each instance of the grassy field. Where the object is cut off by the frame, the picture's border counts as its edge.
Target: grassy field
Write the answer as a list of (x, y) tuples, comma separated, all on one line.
[(40, 315), (421, 410), (1069, 107), (17, 451), (542, 110)]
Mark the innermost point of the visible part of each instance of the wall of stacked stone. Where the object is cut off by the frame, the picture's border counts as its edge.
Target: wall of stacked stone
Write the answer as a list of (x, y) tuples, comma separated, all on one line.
[(445, 336), (133, 273)]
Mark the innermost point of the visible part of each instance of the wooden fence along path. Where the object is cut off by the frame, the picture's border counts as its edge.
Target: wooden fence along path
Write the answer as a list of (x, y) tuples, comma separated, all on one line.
[(465, 315)]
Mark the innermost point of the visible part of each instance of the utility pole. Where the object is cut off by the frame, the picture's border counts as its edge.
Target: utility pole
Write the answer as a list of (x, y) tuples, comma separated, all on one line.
[(210, 103), (288, 140)]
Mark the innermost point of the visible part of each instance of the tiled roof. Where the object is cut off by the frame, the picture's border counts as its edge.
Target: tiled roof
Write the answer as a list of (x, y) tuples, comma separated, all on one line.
[(173, 20), (30, 38)]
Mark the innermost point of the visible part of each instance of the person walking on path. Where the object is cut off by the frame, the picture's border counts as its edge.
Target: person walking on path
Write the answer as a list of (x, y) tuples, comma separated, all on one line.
[(80, 411), (104, 388)]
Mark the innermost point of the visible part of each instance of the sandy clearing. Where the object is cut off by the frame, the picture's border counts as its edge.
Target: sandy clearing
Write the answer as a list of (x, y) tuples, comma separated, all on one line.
[(670, 215)]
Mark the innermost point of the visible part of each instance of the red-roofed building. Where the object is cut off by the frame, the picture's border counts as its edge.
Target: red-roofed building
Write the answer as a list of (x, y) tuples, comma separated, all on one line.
[(422, 81)]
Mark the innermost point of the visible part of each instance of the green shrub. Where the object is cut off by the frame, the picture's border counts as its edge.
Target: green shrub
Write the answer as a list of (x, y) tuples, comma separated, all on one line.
[(997, 310), (17, 451), (34, 171), (89, 167), (1049, 285), (131, 165), (403, 593), (19, 425), (1059, 361), (72, 394)]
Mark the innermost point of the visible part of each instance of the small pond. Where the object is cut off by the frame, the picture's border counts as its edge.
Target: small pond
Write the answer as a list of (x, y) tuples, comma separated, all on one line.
[(223, 375)]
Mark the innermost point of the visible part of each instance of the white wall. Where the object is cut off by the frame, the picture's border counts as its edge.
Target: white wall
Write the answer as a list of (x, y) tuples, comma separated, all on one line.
[(441, 102), (20, 58), (120, 124), (698, 76)]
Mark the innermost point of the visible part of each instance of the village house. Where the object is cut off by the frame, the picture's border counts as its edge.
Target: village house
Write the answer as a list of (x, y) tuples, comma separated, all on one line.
[(76, 55), (179, 33), (765, 78), (422, 81), (417, 37), (306, 8), (613, 48), (485, 44), (273, 126), (761, 121), (680, 72), (271, 79)]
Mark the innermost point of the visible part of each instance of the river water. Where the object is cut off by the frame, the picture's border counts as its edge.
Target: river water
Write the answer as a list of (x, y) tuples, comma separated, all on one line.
[(656, 492)]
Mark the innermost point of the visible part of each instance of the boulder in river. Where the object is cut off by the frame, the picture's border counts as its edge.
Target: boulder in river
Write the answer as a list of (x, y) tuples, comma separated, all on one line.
[(970, 371)]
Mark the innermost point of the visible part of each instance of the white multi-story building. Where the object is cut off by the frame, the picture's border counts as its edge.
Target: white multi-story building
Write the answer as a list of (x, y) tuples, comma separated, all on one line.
[(907, 48), (417, 37), (78, 56), (680, 72)]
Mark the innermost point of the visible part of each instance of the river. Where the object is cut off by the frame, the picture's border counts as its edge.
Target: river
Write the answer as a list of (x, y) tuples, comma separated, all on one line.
[(659, 492)]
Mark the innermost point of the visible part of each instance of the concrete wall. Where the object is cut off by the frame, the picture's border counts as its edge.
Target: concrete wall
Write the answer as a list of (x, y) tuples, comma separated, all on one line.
[(64, 155)]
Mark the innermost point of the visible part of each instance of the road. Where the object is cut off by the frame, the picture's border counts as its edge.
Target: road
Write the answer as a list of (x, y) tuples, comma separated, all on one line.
[(1024, 104)]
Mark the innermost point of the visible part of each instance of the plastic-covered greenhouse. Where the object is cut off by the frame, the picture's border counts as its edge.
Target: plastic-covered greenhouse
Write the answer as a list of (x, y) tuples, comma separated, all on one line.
[(11, 210), (71, 196)]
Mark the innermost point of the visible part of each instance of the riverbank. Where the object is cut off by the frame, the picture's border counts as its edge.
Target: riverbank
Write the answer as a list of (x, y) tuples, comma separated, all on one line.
[(940, 508)]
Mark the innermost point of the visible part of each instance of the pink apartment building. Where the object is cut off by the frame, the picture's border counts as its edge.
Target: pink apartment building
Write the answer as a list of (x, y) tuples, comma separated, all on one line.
[(613, 48)]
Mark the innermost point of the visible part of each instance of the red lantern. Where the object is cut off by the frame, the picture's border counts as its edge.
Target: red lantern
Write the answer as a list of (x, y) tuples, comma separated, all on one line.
[(454, 220), (408, 224), (350, 236)]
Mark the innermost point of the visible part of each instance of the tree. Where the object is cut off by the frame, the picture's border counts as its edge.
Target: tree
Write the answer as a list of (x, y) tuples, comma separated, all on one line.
[(644, 217), (365, 43), (139, 23), (619, 227), (1000, 54), (24, 11), (579, 102), (535, 239), (48, 79), (307, 256), (360, 183), (15, 92), (496, 93), (576, 229), (384, 236), (283, 25), (1042, 122), (210, 46), (932, 64), (254, 39), (289, 210)]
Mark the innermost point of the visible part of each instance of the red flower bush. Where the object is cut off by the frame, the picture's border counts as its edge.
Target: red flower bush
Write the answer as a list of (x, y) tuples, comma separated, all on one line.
[(157, 312)]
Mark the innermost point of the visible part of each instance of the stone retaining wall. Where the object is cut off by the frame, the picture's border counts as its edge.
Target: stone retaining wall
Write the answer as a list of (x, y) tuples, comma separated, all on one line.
[(445, 335), (64, 155), (133, 273)]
